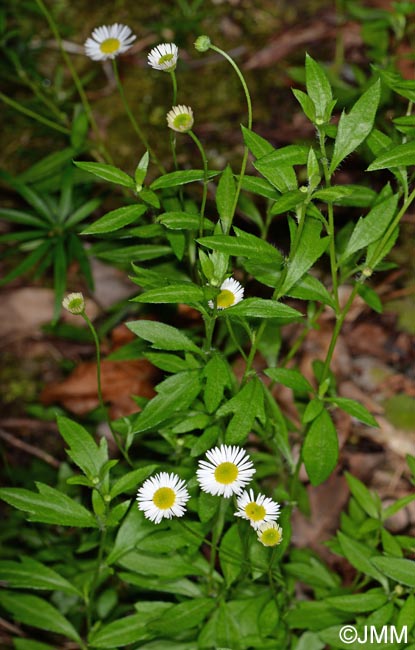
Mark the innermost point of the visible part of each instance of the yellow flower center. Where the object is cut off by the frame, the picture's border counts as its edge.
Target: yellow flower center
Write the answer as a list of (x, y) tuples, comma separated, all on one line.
[(271, 537), (166, 58), (164, 498), (110, 45), (254, 511), (225, 299), (226, 473), (183, 122)]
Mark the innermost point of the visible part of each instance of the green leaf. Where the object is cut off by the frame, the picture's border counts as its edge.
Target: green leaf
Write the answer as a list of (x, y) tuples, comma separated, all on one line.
[(354, 128), (231, 555), (370, 297), (306, 104), (321, 448), (30, 574), (333, 194), (399, 569), (171, 362), (183, 616), (131, 480), (173, 179), (115, 220), (141, 171), (259, 186), (185, 292), (243, 245), (246, 406), (34, 611), (282, 177), (82, 448), (17, 216), (207, 506), (176, 393), (140, 253), (363, 496), (309, 250), (107, 173), (318, 88), (402, 155), (82, 212), (27, 263), (218, 378), (48, 166), (355, 409), (371, 227), (162, 567), (260, 308), (256, 144), (35, 200), (206, 441), (162, 336), (288, 201), (313, 616), (225, 196), (179, 587), (50, 506), (360, 556), (120, 633), (291, 378), (292, 154), (183, 221), (397, 505), (357, 603), (407, 614)]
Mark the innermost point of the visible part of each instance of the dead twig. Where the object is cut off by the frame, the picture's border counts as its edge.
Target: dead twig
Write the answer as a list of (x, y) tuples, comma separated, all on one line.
[(29, 449)]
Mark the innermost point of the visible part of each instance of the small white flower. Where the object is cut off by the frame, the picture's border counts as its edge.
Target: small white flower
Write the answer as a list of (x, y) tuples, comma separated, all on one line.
[(162, 495), (164, 57), (228, 471), (180, 118), (270, 534), (231, 293), (257, 510), (74, 303), (108, 41)]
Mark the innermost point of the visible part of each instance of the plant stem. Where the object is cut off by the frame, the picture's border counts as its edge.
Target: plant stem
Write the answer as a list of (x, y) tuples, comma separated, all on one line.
[(132, 119), (330, 231), (99, 387), (246, 151), (95, 578), (36, 116), (205, 180), (217, 532), (85, 103)]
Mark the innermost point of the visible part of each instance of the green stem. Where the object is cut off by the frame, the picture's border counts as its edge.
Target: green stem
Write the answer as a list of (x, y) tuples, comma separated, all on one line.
[(76, 79), (330, 232), (95, 578), (234, 339), (205, 180), (35, 116), (336, 332), (217, 532), (132, 119), (209, 328), (246, 151), (99, 387)]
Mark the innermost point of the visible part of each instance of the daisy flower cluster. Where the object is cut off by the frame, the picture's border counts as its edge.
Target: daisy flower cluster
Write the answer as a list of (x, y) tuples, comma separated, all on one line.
[(225, 472)]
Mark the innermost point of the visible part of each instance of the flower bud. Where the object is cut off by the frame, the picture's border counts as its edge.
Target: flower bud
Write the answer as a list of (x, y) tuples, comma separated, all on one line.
[(202, 43), (74, 303)]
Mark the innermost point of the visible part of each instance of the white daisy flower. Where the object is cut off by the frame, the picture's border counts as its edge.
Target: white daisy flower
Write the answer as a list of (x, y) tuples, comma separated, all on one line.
[(74, 303), (162, 495), (180, 118), (164, 57), (270, 534), (228, 471), (108, 41), (231, 293), (257, 510)]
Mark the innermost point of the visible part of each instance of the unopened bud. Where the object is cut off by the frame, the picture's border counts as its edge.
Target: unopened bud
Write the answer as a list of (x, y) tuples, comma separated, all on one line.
[(74, 303), (202, 43)]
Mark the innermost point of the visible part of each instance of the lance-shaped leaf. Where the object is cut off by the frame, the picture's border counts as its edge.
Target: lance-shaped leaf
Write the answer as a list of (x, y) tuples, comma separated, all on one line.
[(309, 250), (354, 128), (176, 393), (49, 506), (162, 336), (402, 155), (82, 448), (246, 406), (260, 308), (225, 196), (120, 633), (321, 448), (371, 227), (318, 88), (186, 292), (31, 574), (218, 378), (34, 611), (115, 219), (173, 179), (243, 245), (107, 173), (183, 616)]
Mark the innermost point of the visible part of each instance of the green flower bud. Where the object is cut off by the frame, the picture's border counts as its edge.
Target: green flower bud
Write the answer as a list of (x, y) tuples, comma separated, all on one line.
[(202, 43)]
